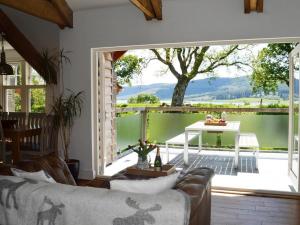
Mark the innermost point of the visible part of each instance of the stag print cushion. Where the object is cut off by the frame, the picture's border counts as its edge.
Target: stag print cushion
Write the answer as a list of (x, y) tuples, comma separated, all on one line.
[(31, 202), (150, 186), (40, 175)]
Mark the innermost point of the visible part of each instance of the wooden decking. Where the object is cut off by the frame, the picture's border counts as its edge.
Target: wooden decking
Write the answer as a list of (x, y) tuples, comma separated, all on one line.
[(229, 209)]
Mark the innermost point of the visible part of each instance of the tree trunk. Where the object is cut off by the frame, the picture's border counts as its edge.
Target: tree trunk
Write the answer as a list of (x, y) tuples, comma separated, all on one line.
[(179, 92)]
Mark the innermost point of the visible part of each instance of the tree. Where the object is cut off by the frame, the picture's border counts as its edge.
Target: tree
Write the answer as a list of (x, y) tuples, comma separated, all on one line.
[(271, 68), (144, 98), (127, 67), (37, 95), (186, 63), (38, 100)]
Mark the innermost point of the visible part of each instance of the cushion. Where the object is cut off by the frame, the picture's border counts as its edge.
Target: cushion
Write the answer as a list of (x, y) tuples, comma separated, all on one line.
[(40, 175), (53, 165), (150, 186)]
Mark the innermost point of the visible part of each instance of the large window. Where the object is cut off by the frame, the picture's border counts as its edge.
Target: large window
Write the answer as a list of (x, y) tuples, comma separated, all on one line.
[(24, 91)]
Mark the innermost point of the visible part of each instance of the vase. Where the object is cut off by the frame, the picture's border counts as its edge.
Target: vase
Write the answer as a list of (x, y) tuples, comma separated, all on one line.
[(142, 164)]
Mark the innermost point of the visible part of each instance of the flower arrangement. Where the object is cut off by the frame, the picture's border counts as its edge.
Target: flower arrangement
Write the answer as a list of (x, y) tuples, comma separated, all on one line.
[(143, 148)]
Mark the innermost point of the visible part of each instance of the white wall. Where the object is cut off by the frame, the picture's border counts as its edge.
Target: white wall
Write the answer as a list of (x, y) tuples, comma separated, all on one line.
[(184, 21), (42, 34)]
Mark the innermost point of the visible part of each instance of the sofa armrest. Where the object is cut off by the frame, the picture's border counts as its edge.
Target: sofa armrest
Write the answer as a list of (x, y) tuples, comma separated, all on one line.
[(195, 181), (197, 185)]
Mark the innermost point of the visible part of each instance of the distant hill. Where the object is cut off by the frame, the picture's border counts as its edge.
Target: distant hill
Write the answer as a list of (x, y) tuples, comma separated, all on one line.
[(202, 90)]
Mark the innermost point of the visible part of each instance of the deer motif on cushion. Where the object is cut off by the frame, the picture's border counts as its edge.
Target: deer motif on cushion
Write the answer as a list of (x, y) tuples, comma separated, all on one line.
[(140, 217), (51, 214), (12, 187)]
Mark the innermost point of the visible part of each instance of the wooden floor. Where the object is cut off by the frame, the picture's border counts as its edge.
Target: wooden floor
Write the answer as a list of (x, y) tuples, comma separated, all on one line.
[(229, 209), (234, 209)]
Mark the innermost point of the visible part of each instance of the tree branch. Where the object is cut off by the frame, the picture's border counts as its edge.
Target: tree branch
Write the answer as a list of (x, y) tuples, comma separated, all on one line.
[(166, 62), (182, 62), (198, 61)]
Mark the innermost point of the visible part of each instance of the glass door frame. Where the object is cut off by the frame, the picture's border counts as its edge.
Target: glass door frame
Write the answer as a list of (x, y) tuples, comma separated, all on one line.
[(294, 177)]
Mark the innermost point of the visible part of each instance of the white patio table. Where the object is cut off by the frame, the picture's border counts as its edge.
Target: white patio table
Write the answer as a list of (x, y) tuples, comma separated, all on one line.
[(199, 127)]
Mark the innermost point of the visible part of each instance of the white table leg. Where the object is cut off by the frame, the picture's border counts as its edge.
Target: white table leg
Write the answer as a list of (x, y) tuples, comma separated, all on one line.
[(167, 151), (237, 149), (186, 151), (200, 141)]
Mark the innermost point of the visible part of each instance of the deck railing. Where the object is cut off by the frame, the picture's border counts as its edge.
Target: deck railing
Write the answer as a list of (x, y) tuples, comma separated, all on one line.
[(189, 109)]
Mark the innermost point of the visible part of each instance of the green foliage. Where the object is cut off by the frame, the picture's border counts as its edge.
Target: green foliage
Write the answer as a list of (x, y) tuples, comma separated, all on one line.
[(144, 98), (52, 64), (38, 96), (49, 66), (38, 100), (66, 109), (271, 68), (142, 149), (127, 67), (17, 102), (246, 103)]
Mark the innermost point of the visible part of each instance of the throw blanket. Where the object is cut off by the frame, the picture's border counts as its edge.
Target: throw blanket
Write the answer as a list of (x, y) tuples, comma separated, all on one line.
[(29, 202)]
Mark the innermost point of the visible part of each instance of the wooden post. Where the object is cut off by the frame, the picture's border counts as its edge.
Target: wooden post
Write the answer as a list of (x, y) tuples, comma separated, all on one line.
[(144, 125)]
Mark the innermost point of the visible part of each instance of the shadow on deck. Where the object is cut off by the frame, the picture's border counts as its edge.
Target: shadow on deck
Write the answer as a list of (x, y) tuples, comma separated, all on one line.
[(222, 165)]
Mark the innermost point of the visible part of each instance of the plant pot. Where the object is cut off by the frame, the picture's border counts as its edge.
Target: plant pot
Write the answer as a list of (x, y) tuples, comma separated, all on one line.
[(74, 166), (142, 164)]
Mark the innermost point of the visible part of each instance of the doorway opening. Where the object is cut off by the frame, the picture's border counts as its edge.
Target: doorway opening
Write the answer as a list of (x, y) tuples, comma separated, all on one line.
[(265, 115)]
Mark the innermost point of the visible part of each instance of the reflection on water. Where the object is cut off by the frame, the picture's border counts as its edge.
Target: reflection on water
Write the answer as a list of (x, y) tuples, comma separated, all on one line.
[(271, 130)]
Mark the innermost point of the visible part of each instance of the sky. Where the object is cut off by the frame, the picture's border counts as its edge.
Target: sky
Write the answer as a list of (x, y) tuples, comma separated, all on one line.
[(153, 72)]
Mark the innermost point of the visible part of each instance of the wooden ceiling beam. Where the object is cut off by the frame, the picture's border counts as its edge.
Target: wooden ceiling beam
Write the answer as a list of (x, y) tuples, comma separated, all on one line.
[(148, 5), (21, 44), (157, 6), (152, 9), (260, 6), (253, 5), (56, 11), (65, 11), (143, 7)]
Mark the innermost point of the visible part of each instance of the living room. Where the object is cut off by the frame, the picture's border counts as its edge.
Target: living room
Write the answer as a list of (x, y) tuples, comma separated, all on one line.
[(96, 27)]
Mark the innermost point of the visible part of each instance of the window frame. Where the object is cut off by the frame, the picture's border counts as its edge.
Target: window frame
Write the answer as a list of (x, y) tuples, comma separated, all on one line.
[(24, 87)]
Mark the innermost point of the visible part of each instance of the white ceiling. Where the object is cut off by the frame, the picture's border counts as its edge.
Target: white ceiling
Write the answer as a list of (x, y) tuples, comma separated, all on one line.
[(87, 4)]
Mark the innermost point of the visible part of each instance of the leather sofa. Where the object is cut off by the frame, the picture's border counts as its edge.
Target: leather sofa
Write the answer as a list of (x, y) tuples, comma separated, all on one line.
[(196, 183)]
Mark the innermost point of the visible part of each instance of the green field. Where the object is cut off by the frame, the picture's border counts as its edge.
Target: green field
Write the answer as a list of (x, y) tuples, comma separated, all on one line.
[(233, 103)]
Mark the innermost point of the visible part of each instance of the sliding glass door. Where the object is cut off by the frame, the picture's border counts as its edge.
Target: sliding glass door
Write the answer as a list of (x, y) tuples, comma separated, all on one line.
[(294, 118)]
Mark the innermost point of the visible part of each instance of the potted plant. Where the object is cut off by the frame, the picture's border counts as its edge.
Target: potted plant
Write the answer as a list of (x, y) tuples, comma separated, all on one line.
[(142, 149), (66, 108)]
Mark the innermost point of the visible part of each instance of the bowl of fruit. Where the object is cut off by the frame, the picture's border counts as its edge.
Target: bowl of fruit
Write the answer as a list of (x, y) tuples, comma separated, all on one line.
[(211, 121)]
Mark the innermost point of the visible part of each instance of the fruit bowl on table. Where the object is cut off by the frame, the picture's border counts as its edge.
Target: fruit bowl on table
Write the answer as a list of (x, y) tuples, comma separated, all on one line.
[(215, 122)]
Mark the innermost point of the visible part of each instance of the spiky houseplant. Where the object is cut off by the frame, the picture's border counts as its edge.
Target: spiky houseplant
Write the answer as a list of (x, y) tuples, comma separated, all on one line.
[(66, 108), (142, 148), (67, 105)]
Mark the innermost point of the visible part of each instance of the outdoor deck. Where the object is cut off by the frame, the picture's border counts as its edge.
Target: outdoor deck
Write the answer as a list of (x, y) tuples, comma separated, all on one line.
[(270, 175)]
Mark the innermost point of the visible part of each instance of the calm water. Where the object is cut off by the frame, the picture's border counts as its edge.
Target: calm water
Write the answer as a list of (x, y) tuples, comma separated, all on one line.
[(271, 130)]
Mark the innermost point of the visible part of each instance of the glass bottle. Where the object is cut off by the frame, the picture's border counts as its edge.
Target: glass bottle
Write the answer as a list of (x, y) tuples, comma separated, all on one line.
[(157, 161)]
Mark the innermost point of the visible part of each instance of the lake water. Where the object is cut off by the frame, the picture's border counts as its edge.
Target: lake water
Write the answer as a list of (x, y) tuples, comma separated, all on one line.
[(271, 130)]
